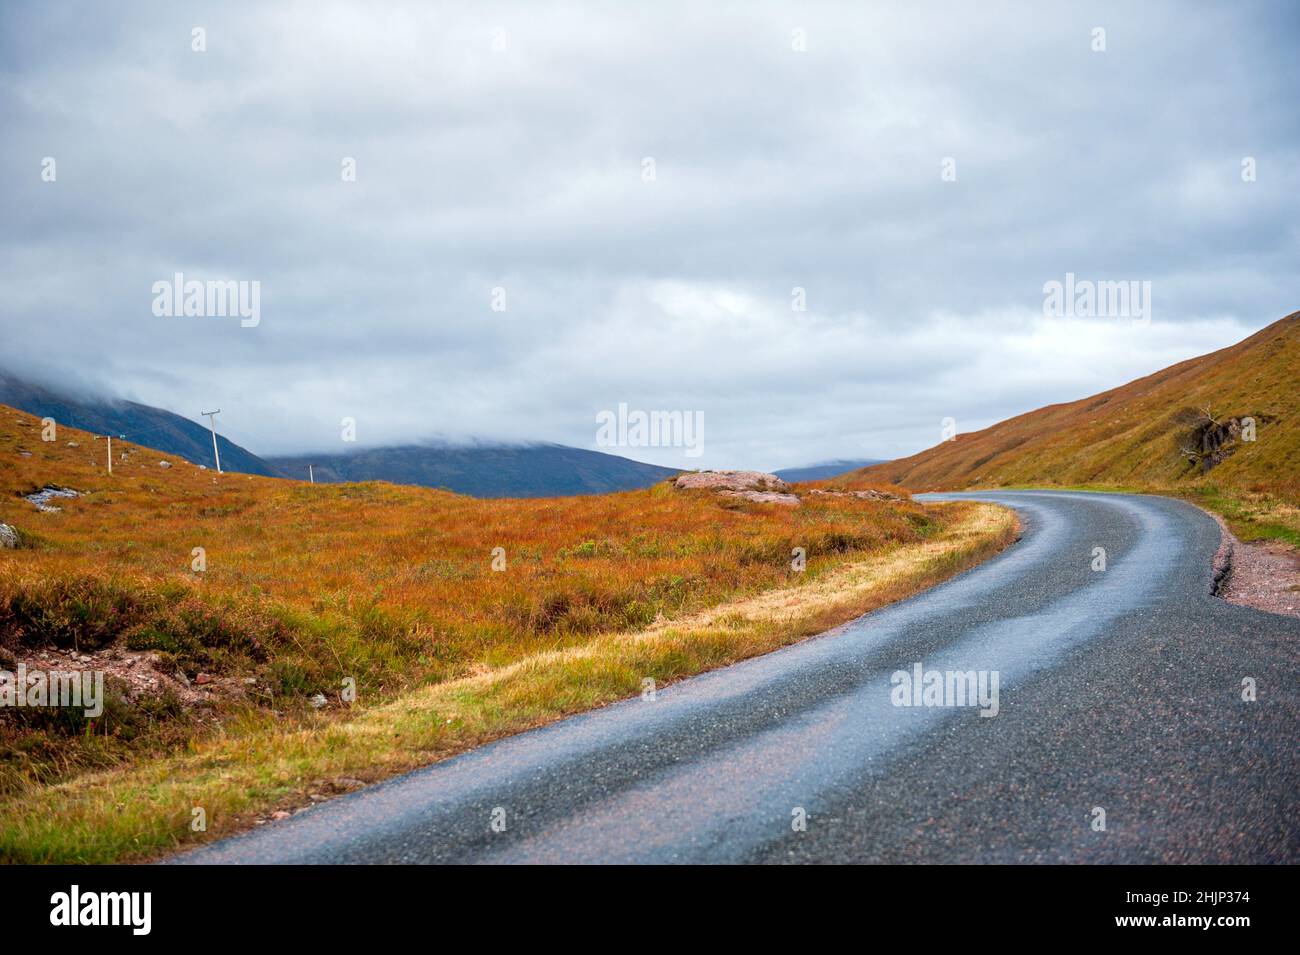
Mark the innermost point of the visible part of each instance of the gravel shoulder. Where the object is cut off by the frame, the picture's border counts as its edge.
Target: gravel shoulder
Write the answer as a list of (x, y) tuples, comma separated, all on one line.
[(1264, 575)]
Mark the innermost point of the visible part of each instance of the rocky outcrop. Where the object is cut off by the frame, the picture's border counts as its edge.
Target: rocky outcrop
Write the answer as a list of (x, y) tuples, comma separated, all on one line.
[(757, 486), (864, 495), (732, 481), (765, 497), (1209, 441), (46, 494)]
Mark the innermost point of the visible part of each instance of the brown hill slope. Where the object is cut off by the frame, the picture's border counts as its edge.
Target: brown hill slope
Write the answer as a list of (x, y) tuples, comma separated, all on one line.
[(1177, 429)]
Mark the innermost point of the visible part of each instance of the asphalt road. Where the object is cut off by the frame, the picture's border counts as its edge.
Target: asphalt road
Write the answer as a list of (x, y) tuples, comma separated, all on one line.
[(1118, 689)]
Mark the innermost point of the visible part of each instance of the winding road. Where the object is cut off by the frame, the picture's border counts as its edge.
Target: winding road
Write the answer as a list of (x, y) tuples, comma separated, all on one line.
[(1120, 699)]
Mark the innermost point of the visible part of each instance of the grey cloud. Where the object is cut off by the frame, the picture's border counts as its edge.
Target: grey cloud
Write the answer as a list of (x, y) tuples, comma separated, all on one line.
[(522, 169)]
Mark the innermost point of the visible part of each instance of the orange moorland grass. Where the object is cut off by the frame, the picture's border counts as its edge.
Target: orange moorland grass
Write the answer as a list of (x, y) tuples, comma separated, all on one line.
[(307, 587)]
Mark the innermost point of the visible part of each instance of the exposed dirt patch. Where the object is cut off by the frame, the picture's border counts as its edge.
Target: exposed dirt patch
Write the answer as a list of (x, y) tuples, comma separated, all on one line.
[(1209, 441), (137, 675)]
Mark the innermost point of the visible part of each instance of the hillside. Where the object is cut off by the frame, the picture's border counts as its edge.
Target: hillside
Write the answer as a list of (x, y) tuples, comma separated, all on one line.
[(535, 470), (145, 425), (1177, 429)]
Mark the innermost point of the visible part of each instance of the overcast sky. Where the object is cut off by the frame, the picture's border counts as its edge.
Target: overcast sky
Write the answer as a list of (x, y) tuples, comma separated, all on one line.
[(505, 146)]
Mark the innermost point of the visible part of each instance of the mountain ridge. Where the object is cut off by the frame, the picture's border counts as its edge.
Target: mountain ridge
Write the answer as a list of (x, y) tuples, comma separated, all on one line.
[(1226, 423), (533, 469), (479, 468), (825, 469)]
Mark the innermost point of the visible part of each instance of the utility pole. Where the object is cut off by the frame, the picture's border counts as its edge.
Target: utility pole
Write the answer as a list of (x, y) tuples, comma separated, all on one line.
[(212, 420), (310, 476), (110, 453)]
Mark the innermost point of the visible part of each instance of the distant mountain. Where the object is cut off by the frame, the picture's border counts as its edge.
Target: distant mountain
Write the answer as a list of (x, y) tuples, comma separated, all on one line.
[(141, 424), (535, 470), (815, 472)]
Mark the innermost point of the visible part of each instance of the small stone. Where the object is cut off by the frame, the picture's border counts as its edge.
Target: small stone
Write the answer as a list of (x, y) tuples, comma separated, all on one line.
[(8, 536), (318, 701), (280, 814), (164, 464), (203, 678)]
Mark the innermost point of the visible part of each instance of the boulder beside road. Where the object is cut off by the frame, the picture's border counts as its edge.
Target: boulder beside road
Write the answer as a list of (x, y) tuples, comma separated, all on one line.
[(731, 481), (757, 486)]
